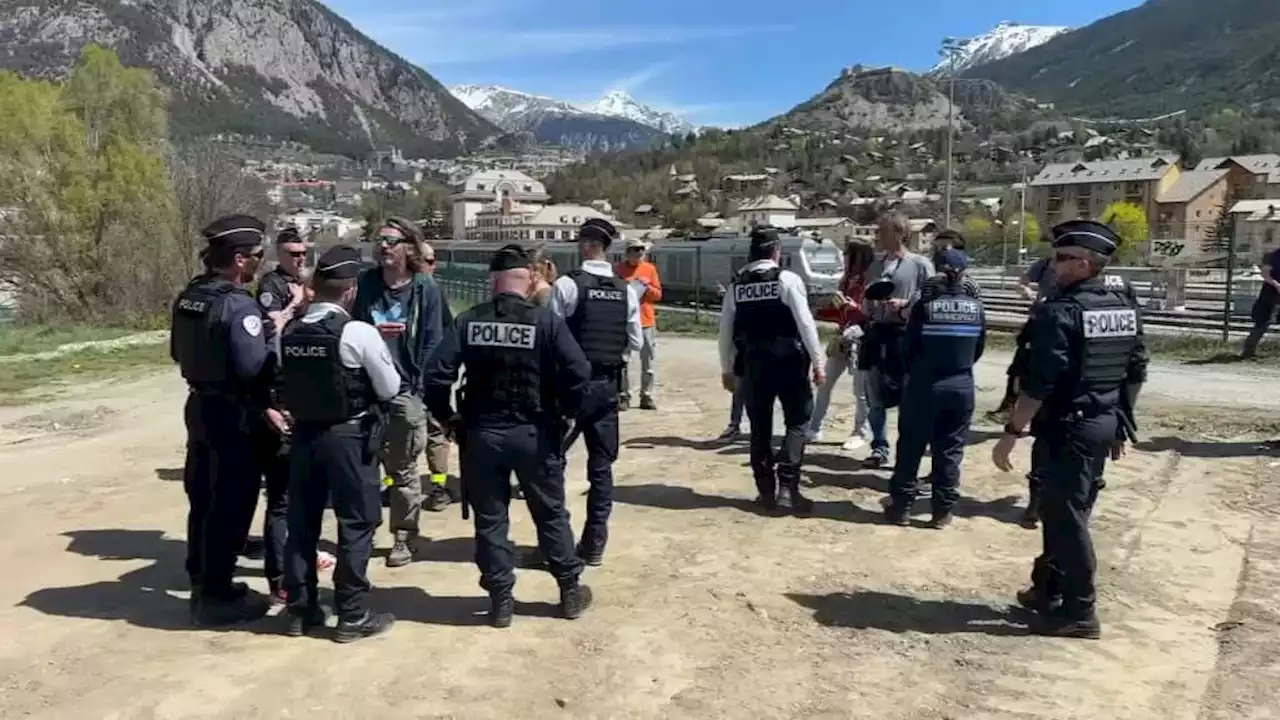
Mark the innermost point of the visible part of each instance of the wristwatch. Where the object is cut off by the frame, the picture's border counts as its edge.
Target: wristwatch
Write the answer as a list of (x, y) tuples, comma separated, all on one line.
[(1009, 429)]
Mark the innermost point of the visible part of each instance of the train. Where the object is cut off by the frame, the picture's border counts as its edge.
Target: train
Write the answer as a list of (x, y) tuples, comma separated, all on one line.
[(692, 270)]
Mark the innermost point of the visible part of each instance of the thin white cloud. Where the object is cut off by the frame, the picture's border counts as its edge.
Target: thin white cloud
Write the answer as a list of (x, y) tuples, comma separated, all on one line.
[(641, 78)]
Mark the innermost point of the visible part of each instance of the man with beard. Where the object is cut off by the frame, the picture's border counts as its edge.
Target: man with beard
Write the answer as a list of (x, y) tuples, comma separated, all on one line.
[(217, 339), (403, 302)]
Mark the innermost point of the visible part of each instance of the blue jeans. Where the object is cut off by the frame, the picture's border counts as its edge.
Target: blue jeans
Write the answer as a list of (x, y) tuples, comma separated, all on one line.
[(878, 419)]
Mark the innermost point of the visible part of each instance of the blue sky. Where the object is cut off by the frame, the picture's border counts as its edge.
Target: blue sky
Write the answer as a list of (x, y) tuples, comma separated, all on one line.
[(724, 62)]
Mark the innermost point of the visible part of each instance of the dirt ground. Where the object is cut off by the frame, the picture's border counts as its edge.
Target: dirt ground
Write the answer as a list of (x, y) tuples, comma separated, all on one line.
[(704, 608)]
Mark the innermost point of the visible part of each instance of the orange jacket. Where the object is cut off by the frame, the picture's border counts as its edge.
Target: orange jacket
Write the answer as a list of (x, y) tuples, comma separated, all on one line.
[(647, 271)]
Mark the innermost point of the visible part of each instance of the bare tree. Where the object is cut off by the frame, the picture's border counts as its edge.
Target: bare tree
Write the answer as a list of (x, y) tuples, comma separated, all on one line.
[(209, 182)]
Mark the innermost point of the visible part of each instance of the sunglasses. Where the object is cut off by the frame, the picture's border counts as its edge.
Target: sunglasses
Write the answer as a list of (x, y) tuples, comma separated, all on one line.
[(429, 261), (1063, 257), (297, 253), (389, 240)]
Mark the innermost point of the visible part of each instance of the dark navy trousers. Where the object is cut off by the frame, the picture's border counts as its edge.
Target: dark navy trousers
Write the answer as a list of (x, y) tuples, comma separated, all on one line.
[(934, 413)]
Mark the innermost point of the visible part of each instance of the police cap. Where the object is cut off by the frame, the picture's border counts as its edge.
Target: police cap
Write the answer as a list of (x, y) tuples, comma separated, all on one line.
[(288, 235), (950, 259), (764, 240), (1087, 234), (234, 231), (339, 262), (598, 230), (509, 257)]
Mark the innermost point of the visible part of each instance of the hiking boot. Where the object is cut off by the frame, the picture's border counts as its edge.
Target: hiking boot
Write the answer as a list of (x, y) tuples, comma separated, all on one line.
[(1057, 624), (437, 499), (878, 458), (624, 403), (368, 626), (898, 513), (401, 550), (790, 500), (218, 612), (646, 403), (1035, 600), (502, 608), (575, 600), (304, 619), (940, 520)]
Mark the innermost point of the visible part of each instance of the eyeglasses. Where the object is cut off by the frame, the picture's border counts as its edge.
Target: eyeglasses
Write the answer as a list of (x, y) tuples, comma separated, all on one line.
[(389, 240)]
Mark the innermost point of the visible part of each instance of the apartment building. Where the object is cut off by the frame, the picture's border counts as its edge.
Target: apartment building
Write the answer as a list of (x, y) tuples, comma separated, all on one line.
[(507, 221), (1069, 191)]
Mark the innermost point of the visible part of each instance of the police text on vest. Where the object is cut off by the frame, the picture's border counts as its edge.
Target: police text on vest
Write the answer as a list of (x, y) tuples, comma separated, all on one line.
[(503, 335), (954, 310), (193, 306), (753, 292), (609, 295), (1110, 323), (306, 351)]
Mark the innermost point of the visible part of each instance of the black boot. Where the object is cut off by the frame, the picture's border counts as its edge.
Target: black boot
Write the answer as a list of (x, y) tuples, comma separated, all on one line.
[(593, 556), (790, 499), (1058, 623), (767, 500), (304, 619), (368, 626), (223, 610), (502, 608), (574, 600), (898, 513)]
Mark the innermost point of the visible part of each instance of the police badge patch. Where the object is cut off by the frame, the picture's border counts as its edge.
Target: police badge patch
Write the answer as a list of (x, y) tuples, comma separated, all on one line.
[(252, 325), (266, 299)]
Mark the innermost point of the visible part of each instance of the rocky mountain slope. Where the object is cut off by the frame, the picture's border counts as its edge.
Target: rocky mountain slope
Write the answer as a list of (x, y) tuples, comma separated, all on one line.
[(285, 69), (617, 121), (1160, 57), (1005, 40)]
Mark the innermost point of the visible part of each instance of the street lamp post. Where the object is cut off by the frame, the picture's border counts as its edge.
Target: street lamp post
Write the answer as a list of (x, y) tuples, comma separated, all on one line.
[(950, 47)]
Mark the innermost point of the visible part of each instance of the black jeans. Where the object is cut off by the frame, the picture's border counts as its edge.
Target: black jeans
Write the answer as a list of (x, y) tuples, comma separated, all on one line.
[(784, 380), (1075, 456), (273, 458), (490, 454), (222, 479), (332, 462)]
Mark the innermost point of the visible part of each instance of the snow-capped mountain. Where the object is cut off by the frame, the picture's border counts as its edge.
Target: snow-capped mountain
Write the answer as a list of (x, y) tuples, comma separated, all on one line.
[(617, 103), (1006, 39), (505, 106)]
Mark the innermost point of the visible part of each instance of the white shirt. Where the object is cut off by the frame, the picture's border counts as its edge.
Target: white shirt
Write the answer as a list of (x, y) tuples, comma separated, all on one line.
[(794, 295), (361, 346), (564, 300)]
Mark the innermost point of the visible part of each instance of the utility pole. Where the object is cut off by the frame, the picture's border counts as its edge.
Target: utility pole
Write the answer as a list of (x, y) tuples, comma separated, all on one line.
[(949, 48), (1022, 217)]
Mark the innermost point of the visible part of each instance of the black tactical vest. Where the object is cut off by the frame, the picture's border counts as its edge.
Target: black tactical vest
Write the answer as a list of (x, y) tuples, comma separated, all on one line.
[(503, 353), (1109, 326), (949, 335), (599, 323), (763, 326), (318, 388), (201, 337)]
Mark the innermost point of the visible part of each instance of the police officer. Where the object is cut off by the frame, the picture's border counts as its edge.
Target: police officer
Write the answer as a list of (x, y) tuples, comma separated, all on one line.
[(218, 341), (281, 295), (765, 319), (945, 338), (1088, 361), (336, 372), (524, 373), (603, 313)]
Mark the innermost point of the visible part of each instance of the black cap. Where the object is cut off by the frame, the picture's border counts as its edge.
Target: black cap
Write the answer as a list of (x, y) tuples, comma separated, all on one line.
[(509, 257), (881, 290), (288, 235), (339, 263), (949, 237), (1087, 234), (598, 230), (950, 259), (235, 231), (764, 239)]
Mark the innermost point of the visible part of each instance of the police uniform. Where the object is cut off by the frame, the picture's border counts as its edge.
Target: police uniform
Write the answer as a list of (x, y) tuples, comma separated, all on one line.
[(1039, 450), (218, 340), (1087, 361), (524, 374), (945, 338), (603, 314), (336, 372), (767, 327), (274, 295)]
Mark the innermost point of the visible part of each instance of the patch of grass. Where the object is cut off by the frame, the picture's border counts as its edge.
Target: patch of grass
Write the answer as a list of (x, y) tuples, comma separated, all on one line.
[(25, 339), (28, 381)]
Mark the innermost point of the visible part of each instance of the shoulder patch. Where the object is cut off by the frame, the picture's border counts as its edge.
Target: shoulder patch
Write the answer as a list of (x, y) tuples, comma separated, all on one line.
[(252, 325), (266, 298), (1110, 323)]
